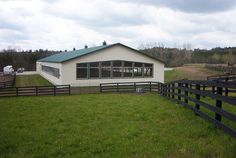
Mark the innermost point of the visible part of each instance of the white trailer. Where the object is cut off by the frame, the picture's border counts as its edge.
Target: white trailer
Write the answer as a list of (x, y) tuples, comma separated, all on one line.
[(8, 69)]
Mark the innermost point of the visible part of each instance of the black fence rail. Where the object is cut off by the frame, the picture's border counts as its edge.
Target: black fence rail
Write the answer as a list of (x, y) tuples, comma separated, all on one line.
[(130, 87), (226, 78), (222, 68), (206, 98), (35, 91), (10, 81)]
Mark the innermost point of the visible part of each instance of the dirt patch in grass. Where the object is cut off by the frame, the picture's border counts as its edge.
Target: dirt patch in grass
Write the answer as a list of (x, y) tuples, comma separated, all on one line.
[(192, 72)]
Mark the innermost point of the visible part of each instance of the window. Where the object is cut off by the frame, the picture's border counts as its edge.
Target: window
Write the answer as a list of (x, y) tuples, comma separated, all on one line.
[(138, 69), (117, 69), (51, 70), (106, 69), (128, 69), (94, 70), (81, 70), (148, 70), (113, 69)]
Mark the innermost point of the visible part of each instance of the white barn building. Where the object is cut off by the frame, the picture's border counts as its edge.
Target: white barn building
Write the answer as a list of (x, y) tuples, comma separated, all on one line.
[(101, 64)]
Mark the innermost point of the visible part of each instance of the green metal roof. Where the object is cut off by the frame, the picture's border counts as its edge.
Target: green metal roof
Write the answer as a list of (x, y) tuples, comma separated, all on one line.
[(65, 56)]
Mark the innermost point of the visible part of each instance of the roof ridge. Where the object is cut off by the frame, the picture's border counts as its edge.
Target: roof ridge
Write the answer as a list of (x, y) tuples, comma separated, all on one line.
[(67, 55), (92, 47)]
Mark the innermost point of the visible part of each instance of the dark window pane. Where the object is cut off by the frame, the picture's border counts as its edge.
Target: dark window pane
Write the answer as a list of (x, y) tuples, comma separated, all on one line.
[(138, 72), (117, 63), (95, 64), (128, 71), (106, 72), (82, 65), (117, 71), (148, 65), (148, 71), (127, 64), (94, 72), (138, 64), (106, 64), (106, 69), (81, 73)]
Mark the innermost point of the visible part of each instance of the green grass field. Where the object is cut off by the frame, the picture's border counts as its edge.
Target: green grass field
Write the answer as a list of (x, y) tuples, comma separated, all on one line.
[(31, 80), (107, 125), (174, 75)]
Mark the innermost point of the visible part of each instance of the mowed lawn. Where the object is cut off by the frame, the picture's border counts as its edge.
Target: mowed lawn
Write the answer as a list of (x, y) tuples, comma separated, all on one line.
[(107, 125), (31, 80)]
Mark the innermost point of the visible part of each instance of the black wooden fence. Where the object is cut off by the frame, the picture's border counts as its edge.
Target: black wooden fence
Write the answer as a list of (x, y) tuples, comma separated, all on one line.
[(35, 90), (130, 86), (9, 83), (222, 68), (192, 94), (225, 78)]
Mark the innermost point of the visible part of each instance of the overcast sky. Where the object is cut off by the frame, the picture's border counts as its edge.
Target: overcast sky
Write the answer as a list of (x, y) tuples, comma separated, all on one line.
[(64, 24)]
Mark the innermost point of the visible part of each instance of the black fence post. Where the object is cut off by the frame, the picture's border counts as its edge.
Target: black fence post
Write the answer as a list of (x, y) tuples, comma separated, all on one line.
[(226, 89), (168, 90), (100, 88), (134, 87), (173, 90), (179, 91), (191, 87), (165, 90), (16, 91), (150, 86), (204, 88), (218, 103), (117, 87), (161, 88), (197, 106), (213, 89), (186, 93), (36, 90), (54, 90), (69, 90)]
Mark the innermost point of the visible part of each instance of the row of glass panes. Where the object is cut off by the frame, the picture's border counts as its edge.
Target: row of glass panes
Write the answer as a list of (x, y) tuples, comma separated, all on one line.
[(51, 70), (111, 69)]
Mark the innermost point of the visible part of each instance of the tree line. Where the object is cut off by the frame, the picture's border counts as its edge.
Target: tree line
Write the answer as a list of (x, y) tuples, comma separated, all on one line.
[(171, 56), (179, 56), (26, 59)]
